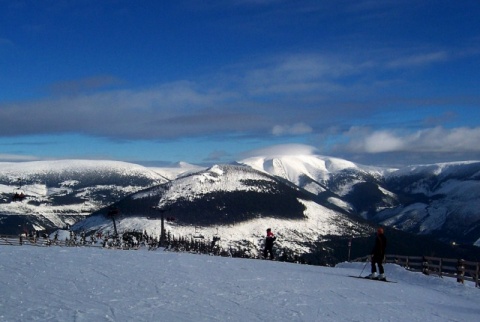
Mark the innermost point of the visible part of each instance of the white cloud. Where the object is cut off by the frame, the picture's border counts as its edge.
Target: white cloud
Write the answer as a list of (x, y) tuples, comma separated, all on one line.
[(281, 150), (432, 140), (299, 73), (179, 108), (418, 60), (382, 141), (247, 99)]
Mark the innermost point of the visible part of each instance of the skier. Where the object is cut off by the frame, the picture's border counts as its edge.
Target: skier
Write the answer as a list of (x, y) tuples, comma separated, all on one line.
[(378, 255), (269, 244)]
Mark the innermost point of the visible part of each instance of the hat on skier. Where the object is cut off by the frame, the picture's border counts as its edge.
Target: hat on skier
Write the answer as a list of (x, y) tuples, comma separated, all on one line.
[(380, 230)]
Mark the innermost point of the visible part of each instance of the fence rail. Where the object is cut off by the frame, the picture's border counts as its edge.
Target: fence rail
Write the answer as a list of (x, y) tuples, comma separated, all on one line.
[(20, 240), (460, 269)]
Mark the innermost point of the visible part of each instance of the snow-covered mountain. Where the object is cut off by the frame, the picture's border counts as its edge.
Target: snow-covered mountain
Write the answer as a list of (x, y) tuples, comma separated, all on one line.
[(441, 200), (236, 203), (51, 194), (307, 199), (338, 181)]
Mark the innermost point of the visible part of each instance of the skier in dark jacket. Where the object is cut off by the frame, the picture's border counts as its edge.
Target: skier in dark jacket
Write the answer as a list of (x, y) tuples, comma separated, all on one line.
[(269, 244), (378, 254)]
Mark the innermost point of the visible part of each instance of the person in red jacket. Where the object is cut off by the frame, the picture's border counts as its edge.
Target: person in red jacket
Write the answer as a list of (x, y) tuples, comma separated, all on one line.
[(378, 254), (269, 244)]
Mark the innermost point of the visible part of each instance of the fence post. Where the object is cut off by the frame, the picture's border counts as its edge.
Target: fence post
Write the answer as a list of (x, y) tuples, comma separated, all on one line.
[(440, 269), (425, 266), (460, 271), (477, 271)]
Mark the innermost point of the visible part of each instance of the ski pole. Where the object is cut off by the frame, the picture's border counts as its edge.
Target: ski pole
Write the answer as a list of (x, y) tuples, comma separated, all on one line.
[(366, 262)]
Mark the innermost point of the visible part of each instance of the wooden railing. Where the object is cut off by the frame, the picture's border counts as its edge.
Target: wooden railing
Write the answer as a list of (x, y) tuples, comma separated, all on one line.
[(20, 240), (457, 268)]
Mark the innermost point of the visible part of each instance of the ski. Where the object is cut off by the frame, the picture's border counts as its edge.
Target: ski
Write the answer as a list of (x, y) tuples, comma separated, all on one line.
[(372, 279)]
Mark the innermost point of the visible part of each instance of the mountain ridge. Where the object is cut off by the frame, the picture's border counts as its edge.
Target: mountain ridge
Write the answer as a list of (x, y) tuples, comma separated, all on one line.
[(60, 193), (428, 200), (436, 199)]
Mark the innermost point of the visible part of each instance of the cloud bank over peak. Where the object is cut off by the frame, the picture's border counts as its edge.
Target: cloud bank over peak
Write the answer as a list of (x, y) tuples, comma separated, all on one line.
[(281, 150), (431, 140)]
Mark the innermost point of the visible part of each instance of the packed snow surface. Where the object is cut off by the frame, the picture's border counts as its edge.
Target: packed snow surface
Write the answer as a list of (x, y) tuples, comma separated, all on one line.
[(95, 284)]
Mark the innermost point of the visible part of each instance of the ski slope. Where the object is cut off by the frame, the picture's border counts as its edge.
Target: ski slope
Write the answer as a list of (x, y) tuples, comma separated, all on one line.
[(94, 284)]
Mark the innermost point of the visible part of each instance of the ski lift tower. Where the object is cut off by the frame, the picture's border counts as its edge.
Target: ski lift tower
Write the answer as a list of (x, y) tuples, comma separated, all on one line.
[(162, 224), (112, 213)]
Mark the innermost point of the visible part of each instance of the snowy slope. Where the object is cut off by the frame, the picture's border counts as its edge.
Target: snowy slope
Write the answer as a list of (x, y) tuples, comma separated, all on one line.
[(63, 192), (82, 284), (55, 166), (318, 169), (177, 170), (336, 179)]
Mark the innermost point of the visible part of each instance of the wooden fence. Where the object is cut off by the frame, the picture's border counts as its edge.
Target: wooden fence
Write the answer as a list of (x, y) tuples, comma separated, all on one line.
[(41, 241), (457, 268)]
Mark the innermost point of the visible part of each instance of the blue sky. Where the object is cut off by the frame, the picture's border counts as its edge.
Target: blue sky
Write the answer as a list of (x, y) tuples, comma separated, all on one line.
[(375, 82)]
